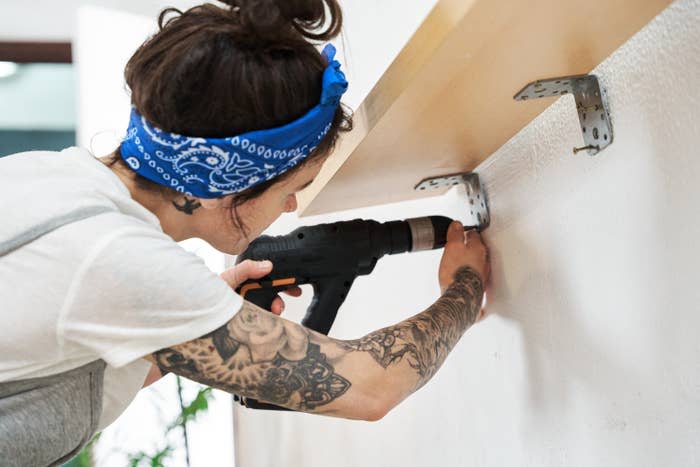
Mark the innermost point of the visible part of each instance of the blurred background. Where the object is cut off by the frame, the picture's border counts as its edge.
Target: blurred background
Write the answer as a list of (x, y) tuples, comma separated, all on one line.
[(38, 80), (39, 91), (38, 106)]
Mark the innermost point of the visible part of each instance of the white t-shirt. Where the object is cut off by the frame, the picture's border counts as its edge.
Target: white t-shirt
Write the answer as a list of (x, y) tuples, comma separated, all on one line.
[(111, 287)]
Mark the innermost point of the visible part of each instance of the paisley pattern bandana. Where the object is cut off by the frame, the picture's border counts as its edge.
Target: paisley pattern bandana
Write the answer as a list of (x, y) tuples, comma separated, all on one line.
[(216, 167)]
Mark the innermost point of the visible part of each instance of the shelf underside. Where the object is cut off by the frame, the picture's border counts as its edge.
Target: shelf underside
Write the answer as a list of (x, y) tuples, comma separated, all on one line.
[(446, 102)]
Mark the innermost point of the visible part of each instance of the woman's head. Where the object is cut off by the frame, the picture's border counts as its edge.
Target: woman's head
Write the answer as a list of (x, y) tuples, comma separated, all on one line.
[(218, 72)]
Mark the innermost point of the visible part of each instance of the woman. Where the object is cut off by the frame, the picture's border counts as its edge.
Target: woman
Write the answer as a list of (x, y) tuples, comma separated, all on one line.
[(234, 112)]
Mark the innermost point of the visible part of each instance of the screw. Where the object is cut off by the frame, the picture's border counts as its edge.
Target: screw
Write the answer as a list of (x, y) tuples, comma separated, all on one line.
[(590, 146)]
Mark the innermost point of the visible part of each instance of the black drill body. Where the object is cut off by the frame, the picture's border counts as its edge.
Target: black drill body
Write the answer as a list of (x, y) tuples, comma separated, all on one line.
[(331, 256)]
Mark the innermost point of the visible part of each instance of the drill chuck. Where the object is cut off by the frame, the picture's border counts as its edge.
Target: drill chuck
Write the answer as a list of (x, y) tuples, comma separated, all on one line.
[(417, 234), (428, 233)]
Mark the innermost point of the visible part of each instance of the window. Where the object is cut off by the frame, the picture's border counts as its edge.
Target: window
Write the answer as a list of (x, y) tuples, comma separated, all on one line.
[(37, 97)]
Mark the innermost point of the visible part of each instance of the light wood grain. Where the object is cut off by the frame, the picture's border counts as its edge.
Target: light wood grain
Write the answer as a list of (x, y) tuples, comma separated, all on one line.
[(446, 103)]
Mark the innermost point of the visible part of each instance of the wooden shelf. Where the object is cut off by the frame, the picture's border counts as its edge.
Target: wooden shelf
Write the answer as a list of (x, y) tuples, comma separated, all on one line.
[(446, 103)]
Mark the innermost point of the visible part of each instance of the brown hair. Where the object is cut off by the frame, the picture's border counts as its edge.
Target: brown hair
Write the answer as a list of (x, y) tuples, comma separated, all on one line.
[(221, 71)]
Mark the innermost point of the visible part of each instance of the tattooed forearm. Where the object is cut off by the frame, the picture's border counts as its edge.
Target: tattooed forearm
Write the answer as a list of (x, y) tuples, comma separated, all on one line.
[(259, 356), (169, 360), (425, 340), (264, 357)]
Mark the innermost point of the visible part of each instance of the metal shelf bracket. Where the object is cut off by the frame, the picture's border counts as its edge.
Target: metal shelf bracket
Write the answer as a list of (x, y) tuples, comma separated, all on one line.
[(591, 104), (478, 203)]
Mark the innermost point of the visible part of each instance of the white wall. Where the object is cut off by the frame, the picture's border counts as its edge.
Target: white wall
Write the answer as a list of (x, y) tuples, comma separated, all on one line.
[(591, 354)]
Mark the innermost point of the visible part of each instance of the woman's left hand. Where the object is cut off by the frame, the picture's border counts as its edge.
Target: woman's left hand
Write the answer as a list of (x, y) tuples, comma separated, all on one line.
[(250, 269)]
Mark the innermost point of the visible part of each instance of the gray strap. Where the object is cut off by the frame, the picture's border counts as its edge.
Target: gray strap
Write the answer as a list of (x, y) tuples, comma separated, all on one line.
[(46, 421), (50, 225)]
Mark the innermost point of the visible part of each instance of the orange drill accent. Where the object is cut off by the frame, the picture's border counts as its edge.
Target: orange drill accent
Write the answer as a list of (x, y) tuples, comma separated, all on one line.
[(276, 283), (248, 287), (279, 282)]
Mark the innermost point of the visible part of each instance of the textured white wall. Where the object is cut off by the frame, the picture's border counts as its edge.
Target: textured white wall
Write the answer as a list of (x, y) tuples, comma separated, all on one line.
[(591, 354)]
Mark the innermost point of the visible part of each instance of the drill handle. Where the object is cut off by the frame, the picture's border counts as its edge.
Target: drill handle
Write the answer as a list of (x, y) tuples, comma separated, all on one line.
[(264, 293), (329, 294), (261, 297)]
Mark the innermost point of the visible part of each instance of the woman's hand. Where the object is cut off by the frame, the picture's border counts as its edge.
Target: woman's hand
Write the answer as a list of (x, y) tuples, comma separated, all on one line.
[(463, 249), (250, 269)]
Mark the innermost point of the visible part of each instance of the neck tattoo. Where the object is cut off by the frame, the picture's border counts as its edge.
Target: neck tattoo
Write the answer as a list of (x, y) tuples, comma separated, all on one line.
[(188, 206)]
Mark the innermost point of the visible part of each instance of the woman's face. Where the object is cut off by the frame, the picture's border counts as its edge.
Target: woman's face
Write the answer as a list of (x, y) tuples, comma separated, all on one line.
[(216, 224)]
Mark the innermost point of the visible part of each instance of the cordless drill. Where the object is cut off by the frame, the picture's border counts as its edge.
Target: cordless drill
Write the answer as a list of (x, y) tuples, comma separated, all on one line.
[(330, 257)]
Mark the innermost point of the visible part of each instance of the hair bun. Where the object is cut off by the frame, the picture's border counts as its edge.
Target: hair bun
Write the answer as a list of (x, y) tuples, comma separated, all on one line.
[(274, 20)]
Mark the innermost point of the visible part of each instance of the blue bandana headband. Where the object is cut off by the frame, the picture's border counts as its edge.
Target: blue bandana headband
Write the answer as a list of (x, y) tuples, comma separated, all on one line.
[(216, 167)]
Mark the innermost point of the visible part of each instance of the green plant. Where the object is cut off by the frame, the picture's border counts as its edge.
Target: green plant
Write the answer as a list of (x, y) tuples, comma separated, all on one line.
[(84, 458), (188, 413)]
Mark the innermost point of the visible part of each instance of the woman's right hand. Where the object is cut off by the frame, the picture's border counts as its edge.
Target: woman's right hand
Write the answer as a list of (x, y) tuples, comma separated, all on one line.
[(463, 249)]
